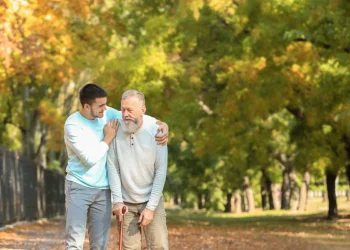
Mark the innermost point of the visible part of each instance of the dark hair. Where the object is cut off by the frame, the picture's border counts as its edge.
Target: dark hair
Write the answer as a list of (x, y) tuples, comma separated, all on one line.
[(90, 92)]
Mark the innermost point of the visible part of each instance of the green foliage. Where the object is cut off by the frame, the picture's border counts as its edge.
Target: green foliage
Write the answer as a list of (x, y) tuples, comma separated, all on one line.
[(245, 86)]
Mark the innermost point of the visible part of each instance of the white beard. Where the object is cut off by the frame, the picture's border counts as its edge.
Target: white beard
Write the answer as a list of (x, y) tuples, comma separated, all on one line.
[(129, 128)]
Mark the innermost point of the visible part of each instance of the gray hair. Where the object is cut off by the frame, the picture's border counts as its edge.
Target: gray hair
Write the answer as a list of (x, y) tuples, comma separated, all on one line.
[(133, 92)]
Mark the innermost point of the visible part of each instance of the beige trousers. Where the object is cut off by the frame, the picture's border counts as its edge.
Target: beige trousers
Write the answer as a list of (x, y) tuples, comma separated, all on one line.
[(156, 233)]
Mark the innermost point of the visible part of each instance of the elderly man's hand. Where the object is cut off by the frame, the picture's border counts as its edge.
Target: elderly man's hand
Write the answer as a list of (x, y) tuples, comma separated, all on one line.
[(117, 209), (146, 217)]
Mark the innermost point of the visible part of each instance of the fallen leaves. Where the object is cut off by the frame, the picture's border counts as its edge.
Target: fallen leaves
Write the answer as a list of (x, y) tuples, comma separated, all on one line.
[(203, 235)]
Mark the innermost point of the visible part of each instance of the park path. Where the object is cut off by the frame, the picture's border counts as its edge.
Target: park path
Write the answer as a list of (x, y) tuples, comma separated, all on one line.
[(49, 234)]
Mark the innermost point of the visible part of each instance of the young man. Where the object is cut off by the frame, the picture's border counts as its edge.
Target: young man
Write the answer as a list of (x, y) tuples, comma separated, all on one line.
[(137, 169), (87, 135)]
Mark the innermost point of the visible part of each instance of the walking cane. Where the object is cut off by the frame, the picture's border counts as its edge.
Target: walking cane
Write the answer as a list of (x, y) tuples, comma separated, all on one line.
[(121, 228)]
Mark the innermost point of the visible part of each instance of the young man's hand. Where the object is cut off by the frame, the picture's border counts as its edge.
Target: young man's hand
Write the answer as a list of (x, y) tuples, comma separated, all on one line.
[(162, 133), (110, 131), (146, 217)]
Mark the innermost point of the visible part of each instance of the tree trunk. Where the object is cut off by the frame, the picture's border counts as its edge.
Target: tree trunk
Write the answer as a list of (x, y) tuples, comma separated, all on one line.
[(183, 201), (294, 190), (324, 193), (331, 191), (244, 202), (276, 195), (248, 195), (36, 152), (238, 203), (302, 206), (286, 194), (206, 200), (228, 205), (199, 200), (233, 206), (28, 136), (264, 197), (250, 200), (348, 176), (266, 192), (270, 194), (176, 199)]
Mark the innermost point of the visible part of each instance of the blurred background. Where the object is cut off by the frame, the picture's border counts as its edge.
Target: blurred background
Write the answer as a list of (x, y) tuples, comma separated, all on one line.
[(255, 93)]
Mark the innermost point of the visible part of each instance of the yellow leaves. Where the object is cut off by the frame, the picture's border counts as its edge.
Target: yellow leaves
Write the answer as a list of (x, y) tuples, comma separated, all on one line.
[(48, 112), (333, 68), (193, 5), (59, 59), (62, 76), (155, 58), (223, 6), (195, 80), (297, 70), (227, 10), (2, 10), (241, 71), (327, 129), (322, 162), (302, 75), (279, 60), (37, 37), (44, 66), (12, 137), (260, 63), (80, 8), (301, 51), (4, 89), (241, 92), (183, 146)]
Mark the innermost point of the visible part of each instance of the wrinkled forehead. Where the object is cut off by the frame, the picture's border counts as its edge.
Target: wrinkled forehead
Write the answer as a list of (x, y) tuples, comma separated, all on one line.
[(132, 101)]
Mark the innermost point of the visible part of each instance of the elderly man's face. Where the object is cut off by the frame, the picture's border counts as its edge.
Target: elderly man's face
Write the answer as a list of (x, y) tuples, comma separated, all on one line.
[(132, 110)]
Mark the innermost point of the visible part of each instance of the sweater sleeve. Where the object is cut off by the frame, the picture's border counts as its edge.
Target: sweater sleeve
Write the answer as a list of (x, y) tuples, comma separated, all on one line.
[(113, 171), (161, 165), (87, 153), (149, 119)]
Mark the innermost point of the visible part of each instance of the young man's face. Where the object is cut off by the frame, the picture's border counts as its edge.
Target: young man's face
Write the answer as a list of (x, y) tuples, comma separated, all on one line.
[(98, 107), (132, 110)]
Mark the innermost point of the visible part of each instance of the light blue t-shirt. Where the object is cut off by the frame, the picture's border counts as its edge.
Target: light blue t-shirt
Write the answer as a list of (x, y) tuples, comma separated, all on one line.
[(87, 153)]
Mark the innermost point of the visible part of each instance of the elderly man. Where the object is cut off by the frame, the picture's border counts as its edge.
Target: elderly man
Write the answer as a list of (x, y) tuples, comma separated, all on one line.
[(137, 169)]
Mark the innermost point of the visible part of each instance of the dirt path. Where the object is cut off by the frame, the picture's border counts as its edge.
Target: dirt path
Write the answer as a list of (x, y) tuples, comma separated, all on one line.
[(192, 236)]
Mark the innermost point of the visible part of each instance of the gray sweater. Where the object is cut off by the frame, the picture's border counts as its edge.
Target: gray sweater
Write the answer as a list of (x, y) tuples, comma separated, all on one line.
[(137, 166)]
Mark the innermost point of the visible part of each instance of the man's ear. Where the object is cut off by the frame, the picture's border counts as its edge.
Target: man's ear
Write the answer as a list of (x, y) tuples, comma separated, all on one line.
[(86, 106), (143, 109)]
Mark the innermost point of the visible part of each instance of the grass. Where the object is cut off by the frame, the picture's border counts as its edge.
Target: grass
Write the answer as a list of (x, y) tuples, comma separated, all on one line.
[(315, 217), (262, 229)]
